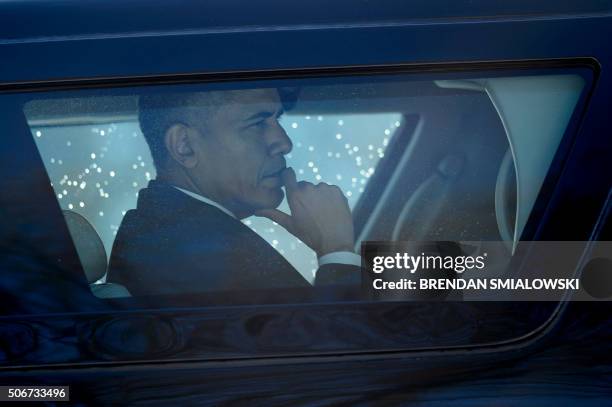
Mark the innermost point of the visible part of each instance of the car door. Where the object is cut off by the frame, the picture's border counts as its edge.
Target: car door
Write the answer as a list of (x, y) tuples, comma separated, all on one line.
[(417, 82)]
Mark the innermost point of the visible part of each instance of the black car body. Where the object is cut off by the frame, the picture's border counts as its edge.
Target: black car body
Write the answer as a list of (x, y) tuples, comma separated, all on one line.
[(53, 331)]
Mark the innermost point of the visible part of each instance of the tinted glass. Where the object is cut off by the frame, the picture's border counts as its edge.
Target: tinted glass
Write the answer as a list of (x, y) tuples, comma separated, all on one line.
[(210, 195)]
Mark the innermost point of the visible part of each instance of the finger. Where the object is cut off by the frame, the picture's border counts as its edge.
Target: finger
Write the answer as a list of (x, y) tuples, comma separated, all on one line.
[(292, 186), (289, 179), (305, 186), (338, 191), (277, 216)]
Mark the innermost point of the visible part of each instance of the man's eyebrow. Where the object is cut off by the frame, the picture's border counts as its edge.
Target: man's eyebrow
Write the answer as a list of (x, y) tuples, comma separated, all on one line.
[(265, 115)]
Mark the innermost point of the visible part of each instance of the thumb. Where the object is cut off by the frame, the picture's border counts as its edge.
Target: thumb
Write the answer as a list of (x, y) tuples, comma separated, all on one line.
[(277, 216)]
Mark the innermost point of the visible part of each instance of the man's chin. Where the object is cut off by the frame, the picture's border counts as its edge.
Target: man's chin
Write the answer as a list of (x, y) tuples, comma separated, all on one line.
[(276, 196), (267, 198)]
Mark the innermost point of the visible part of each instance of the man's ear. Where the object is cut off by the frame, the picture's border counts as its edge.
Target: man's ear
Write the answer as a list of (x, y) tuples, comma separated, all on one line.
[(179, 145)]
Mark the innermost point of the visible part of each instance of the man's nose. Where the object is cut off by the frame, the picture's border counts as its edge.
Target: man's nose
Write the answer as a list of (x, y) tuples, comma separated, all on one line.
[(279, 142)]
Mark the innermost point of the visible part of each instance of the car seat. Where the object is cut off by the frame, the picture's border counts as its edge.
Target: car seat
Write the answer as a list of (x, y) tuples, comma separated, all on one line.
[(92, 256), (456, 201)]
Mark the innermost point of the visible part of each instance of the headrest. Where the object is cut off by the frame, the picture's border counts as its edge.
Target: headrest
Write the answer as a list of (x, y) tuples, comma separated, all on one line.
[(88, 245)]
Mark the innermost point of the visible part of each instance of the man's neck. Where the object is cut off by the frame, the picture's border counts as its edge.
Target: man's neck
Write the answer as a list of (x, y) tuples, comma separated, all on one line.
[(186, 184)]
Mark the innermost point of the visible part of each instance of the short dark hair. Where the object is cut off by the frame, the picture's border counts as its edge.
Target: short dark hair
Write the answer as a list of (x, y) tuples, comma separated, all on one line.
[(156, 114)]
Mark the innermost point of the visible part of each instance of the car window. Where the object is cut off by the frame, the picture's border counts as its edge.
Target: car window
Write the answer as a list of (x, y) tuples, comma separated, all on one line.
[(209, 195), (467, 150)]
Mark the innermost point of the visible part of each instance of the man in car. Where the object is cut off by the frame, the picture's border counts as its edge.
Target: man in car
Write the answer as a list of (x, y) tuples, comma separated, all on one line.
[(220, 157)]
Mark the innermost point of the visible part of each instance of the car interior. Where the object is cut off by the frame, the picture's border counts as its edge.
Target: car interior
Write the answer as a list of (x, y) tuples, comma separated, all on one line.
[(448, 174)]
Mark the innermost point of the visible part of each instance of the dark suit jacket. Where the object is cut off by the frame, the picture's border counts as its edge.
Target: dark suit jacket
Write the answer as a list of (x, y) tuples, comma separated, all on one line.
[(172, 243)]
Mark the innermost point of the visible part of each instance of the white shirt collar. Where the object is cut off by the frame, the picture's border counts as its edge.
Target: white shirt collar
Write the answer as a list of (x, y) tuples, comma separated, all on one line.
[(206, 200)]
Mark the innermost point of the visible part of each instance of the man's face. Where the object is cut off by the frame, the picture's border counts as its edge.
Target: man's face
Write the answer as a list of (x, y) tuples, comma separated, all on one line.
[(241, 152)]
